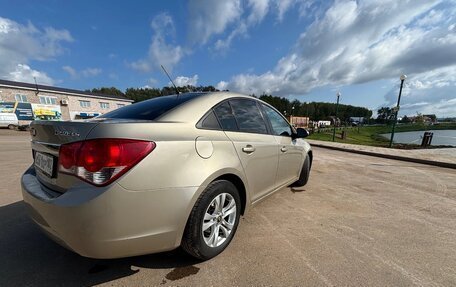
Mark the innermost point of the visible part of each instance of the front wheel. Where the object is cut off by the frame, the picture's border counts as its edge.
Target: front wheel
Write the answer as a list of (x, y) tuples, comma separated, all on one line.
[(305, 172), (213, 220)]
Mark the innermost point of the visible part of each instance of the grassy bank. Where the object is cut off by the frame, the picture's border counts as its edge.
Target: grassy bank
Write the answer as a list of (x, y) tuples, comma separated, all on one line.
[(370, 135)]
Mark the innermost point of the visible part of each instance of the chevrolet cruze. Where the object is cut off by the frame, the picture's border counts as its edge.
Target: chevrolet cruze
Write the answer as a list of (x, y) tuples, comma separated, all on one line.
[(171, 171)]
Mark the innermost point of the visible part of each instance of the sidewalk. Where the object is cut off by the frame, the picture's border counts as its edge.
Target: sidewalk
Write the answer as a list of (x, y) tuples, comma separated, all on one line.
[(444, 157)]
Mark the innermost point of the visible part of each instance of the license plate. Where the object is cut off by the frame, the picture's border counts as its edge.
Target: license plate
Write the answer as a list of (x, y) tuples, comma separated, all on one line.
[(45, 163)]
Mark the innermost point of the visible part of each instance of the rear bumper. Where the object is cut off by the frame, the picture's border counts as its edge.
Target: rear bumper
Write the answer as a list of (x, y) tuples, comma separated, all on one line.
[(109, 222)]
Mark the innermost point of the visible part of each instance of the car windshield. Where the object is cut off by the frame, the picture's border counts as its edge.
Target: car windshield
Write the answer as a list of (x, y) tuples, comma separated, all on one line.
[(151, 109)]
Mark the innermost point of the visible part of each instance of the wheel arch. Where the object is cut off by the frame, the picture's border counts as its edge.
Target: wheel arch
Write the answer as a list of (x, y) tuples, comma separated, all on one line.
[(239, 184), (310, 153), (232, 175)]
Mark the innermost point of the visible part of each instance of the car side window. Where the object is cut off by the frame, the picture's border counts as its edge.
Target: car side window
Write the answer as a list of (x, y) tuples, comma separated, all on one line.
[(248, 116), (209, 122), (280, 126), (226, 117)]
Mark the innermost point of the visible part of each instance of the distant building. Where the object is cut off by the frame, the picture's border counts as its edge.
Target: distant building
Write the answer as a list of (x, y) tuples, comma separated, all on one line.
[(299, 122), (423, 118), (35, 102), (431, 118), (323, 124), (335, 121)]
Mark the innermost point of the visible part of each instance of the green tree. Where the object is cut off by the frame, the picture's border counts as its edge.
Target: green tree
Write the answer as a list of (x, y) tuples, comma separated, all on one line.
[(405, 119), (419, 118), (384, 114), (315, 110), (140, 94), (107, 91)]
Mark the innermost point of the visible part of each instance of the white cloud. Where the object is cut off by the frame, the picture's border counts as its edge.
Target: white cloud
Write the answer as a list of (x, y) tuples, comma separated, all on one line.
[(54, 36), (357, 42), (141, 65), (91, 72), (223, 45), (283, 6), (222, 85), (432, 18), (208, 18), (254, 14), (71, 71), (20, 44), (430, 92), (86, 73), (23, 73), (259, 10), (181, 81), (240, 19), (160, 51)]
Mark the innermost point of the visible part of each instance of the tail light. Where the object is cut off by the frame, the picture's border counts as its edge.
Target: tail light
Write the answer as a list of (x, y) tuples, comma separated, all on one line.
[(101, 161)]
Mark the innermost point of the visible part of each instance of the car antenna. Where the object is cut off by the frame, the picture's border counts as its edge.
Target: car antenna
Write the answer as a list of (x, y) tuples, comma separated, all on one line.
[(177, 90)]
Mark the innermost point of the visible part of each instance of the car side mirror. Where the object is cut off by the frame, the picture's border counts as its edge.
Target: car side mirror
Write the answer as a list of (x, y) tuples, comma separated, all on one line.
[(300, 133)]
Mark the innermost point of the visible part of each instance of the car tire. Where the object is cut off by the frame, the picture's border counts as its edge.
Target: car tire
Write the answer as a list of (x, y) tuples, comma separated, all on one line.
[(305, 172), (11, 127), (212, 225)]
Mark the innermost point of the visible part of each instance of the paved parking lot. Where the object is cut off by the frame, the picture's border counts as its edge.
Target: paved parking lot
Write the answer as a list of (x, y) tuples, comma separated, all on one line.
[(360, 221)]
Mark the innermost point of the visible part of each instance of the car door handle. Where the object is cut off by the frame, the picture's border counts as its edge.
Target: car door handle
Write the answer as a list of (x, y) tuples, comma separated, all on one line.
[(248, 149), (283, 149)]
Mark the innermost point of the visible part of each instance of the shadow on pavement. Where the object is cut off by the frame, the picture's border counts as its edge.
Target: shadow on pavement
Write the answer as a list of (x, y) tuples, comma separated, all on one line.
[(28, 257)]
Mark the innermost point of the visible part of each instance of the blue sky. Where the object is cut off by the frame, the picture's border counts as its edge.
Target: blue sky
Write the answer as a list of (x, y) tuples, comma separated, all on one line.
[(306, 50)]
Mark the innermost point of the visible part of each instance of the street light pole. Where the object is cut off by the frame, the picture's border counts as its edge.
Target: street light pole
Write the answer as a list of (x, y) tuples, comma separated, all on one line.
[(403, 77), (291, 115), (307, 115), (335, 117)]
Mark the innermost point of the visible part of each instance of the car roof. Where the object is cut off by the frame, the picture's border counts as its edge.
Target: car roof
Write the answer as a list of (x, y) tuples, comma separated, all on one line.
[(8, 114)]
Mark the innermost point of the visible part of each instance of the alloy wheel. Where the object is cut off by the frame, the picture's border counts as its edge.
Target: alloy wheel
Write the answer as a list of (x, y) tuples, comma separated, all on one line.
[(219, 220)]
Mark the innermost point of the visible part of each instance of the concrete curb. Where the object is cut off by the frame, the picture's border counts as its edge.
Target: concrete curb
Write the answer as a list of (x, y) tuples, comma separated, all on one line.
[(389, 156)]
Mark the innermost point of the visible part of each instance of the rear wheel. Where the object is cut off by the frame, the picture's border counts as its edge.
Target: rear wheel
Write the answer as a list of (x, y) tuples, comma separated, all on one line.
[(305, 172), (11, 127), (213, 220)]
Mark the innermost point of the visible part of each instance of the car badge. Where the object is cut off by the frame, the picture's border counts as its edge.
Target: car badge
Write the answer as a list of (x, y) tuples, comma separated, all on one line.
[(66, 133)]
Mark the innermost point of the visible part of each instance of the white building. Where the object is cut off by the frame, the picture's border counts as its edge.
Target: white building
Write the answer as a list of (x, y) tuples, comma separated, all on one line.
[(34, 102)]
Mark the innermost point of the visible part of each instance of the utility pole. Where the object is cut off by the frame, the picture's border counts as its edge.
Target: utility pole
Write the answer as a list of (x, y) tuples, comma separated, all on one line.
[(396, 110), (36, 86), (335, 117)]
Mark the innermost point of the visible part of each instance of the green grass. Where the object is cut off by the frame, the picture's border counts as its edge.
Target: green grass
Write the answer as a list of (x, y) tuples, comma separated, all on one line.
[(370, 135)]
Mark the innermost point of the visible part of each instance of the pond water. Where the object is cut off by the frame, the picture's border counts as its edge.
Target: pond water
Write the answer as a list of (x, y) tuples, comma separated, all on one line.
[(441, 137)]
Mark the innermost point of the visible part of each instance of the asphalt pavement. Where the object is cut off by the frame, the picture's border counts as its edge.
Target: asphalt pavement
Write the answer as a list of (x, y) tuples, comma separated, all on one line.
[(360, 221)]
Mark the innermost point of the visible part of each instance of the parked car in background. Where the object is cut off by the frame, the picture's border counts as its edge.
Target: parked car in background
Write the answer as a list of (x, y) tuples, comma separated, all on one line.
[(171, 171), (8, 120)]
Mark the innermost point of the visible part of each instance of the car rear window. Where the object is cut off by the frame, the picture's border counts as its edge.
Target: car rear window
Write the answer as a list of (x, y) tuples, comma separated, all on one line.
[(209, 122), (151, 109), (226, 117)]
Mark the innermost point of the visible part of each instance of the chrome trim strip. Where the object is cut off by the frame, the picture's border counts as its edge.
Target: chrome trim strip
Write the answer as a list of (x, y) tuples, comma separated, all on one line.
[(44, 143)]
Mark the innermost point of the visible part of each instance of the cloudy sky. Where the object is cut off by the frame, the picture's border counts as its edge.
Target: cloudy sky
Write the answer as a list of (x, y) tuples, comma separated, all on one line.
[(300, 49)]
